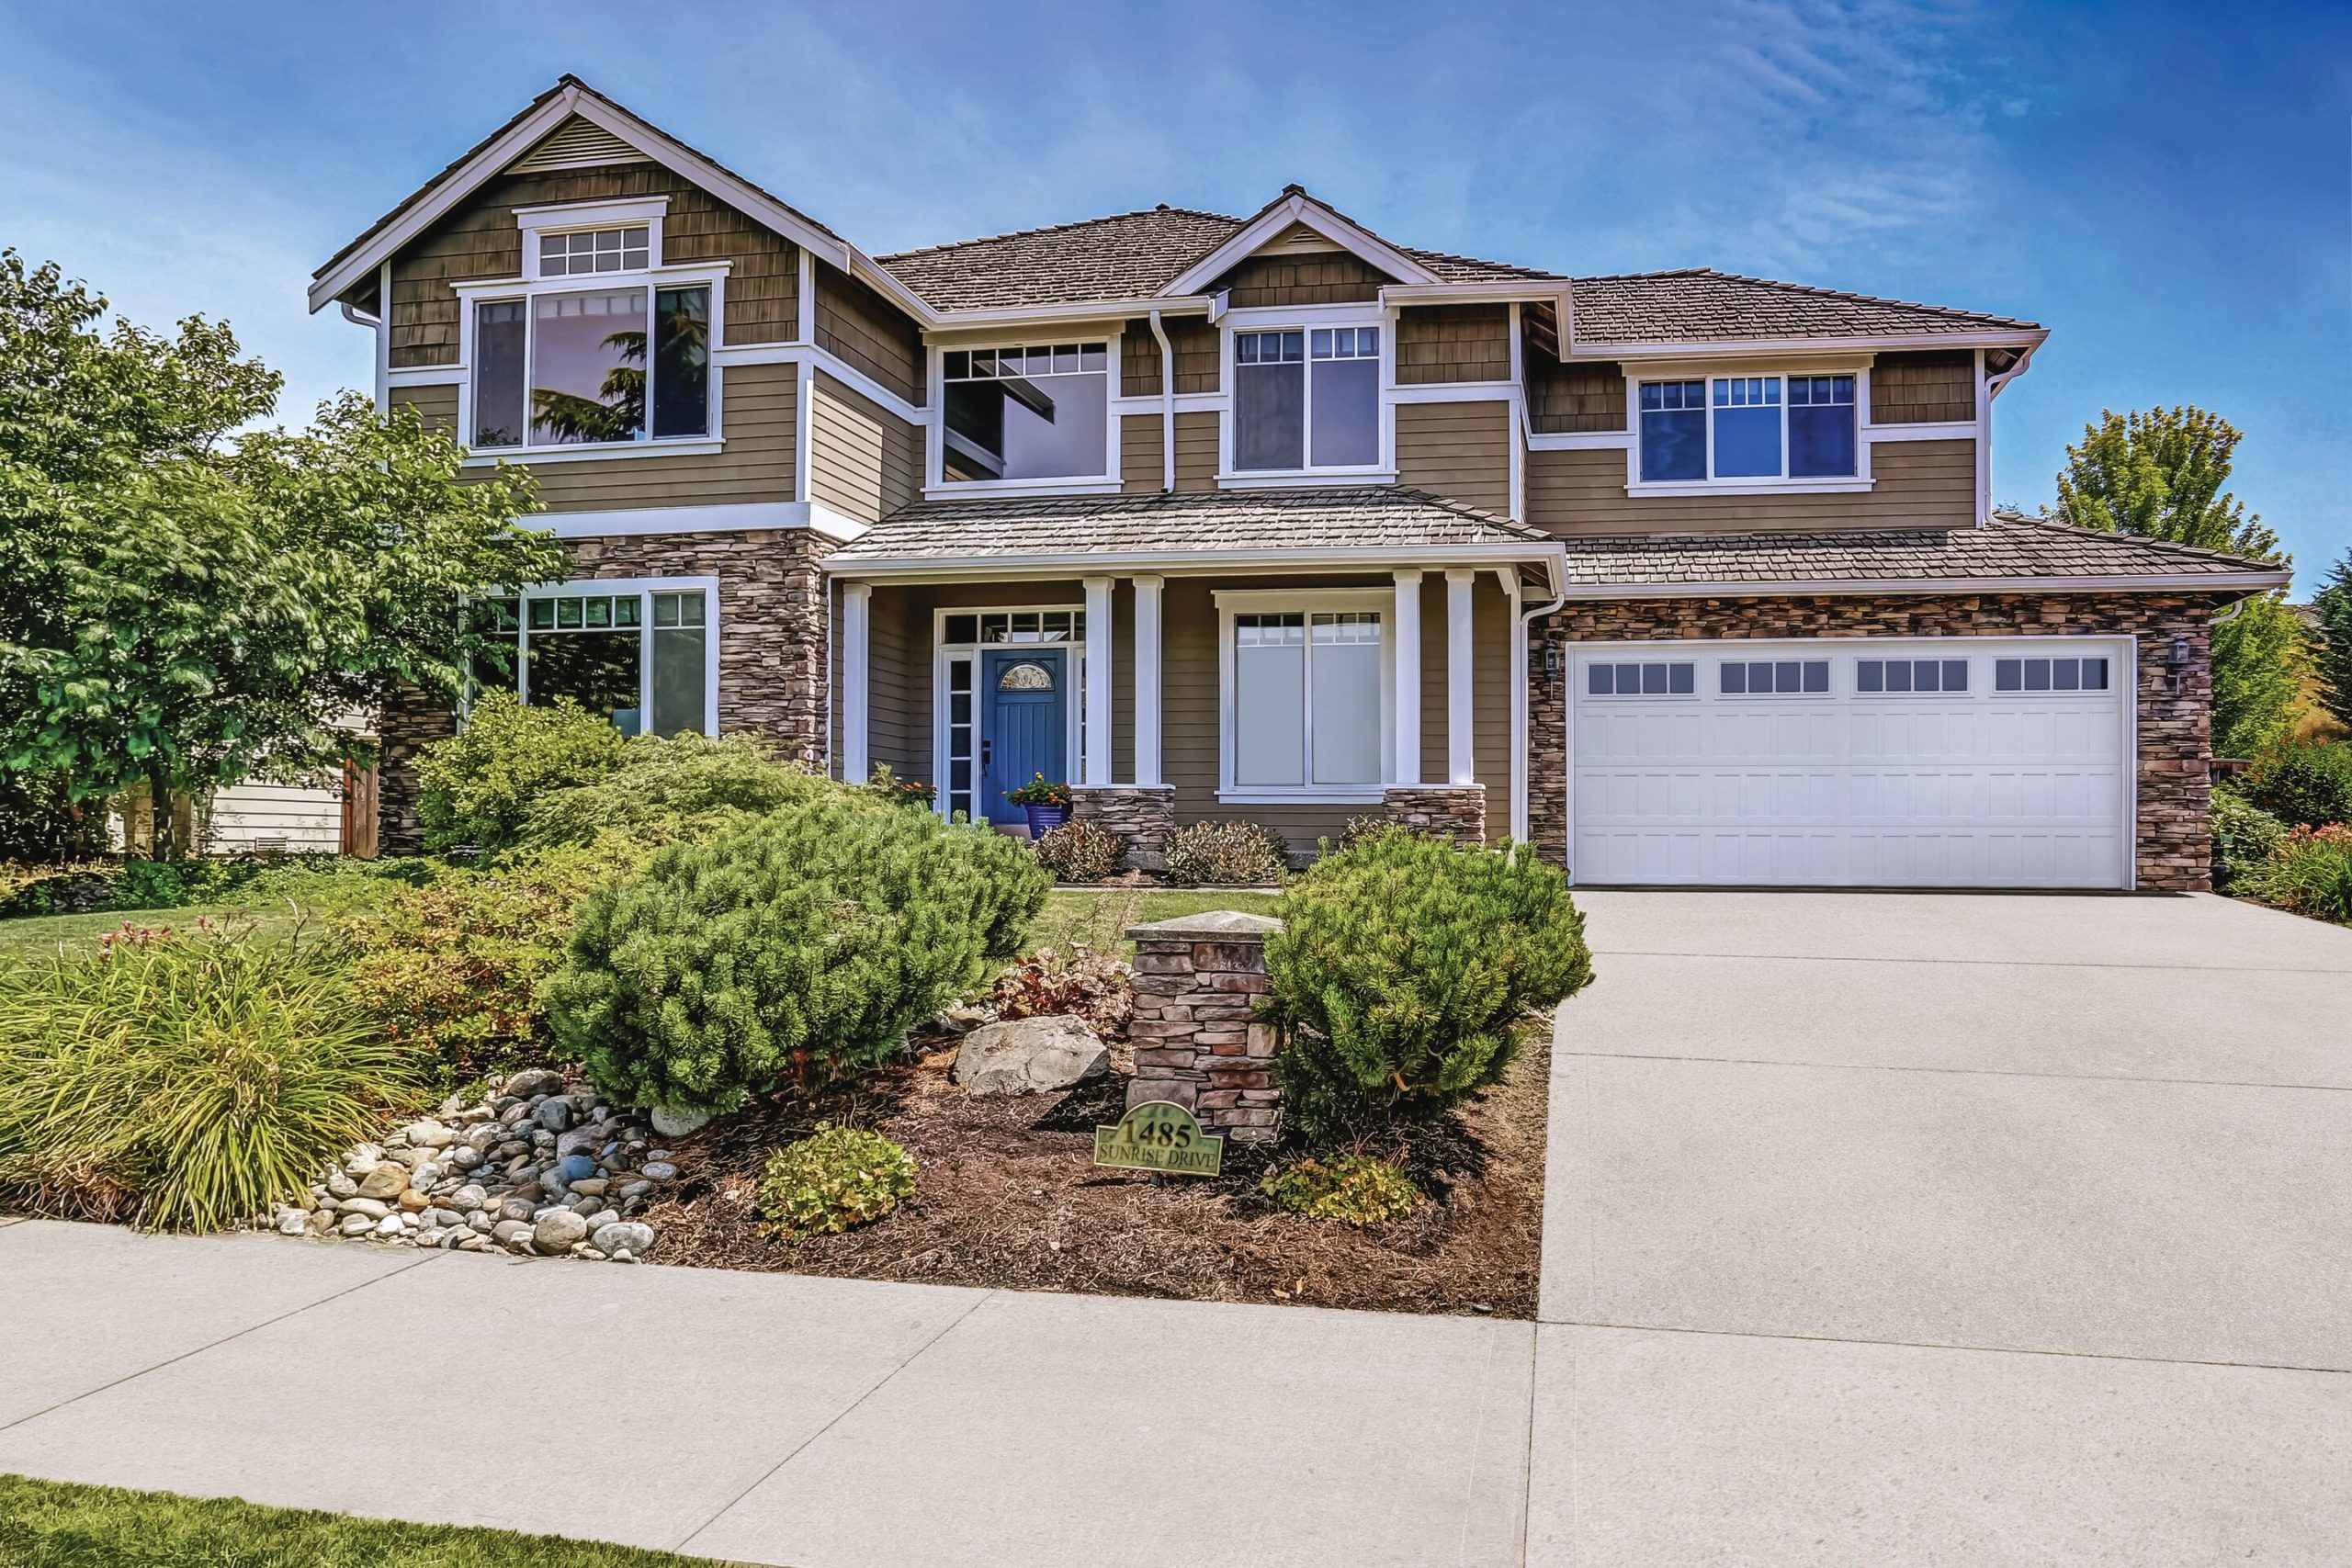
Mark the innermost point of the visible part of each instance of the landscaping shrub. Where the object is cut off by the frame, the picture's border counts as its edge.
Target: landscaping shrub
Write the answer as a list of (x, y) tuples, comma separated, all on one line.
[(1226, 854), (836, 1178), (40, 824), (1356, 1189), (2308, 873), (912, 793), (1402, 972), (2306, 784), (1358, 830), (453, 966), (184, 1081), (793, 946), (1084, 984), (1079, 851), (2243, 834), (668, 787), (476, 787)]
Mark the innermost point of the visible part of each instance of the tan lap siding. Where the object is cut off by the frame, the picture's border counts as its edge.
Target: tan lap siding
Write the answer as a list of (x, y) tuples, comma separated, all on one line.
[(755, 463), (894, 667), (1458, 450), (1919, 484), (1491, 747), (862, 459), (1141, 466), (437, 406)]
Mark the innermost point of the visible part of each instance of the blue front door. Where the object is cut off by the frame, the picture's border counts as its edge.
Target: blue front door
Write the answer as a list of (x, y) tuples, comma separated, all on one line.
[(1025, 723)]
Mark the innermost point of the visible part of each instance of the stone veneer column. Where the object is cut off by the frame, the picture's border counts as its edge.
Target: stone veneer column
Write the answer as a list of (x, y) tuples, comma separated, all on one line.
[(1444, 811), (1197, 1040), (1139, 815)]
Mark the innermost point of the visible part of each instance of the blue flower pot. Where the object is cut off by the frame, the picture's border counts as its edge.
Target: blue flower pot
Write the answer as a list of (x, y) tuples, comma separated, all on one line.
[(1044, 819)]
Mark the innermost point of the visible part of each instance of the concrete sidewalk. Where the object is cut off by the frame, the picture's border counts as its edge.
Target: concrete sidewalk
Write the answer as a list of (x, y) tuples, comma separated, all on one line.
[(763, 1417)]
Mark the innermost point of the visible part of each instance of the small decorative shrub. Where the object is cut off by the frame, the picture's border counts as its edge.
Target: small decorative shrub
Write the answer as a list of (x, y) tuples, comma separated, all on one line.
[(1040, 790), (454, 966), (836, 1178), (1082, 983), (1403, 971), (476, 787), (1356, 1189), (1359, 829), (789, 948), (2306, 784), (1226, 854), (1079, 851), (2308, 873), (2243, 834), (674, 786), (184, 1081), (913, 794)]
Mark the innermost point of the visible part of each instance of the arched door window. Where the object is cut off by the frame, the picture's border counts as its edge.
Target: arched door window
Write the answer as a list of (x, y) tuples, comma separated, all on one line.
[(1024, 676)]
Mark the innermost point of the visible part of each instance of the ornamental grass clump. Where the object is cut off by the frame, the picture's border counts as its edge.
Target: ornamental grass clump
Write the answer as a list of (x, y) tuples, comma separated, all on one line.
[(836, 1178), (184, 1081), (785, 951), (1403, 974), (1354, 1189)]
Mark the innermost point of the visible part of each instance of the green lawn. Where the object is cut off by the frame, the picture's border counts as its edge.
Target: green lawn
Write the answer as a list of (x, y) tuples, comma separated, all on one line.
[(1100, 918), (44, 1524)]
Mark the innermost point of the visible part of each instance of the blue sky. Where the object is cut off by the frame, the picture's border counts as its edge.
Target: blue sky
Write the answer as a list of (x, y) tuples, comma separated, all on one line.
[(2168, 187)]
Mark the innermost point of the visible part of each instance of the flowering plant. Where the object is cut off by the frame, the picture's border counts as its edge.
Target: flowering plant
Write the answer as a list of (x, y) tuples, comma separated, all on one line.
[(1039, 792)]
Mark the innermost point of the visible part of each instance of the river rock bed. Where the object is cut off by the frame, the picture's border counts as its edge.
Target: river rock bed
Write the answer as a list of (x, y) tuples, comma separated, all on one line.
[(540, 1168)]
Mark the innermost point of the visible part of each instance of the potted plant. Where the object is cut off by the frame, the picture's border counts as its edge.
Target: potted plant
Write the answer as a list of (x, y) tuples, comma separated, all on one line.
[(1046, 805)]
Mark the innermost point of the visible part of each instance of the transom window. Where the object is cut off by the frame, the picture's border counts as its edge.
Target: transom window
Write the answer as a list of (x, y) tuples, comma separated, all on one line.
[(1748, 428), (1016, 625), (1674, 679), (594, 250), (1307, 698), (592, 367), (640, 659), (1911, 675), (1774, 677), (1305, 399), (2050, 675), (1033, 412)]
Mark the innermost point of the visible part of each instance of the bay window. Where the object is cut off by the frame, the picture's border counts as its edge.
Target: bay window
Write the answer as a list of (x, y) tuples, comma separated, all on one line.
[(1305, 698), (1305, 399), (592, 367), (1027, 413), (637, 654), (1747, 428)]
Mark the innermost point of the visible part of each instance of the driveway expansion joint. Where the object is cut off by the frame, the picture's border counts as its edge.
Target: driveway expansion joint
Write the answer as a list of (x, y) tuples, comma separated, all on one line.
[(1951, 1346)]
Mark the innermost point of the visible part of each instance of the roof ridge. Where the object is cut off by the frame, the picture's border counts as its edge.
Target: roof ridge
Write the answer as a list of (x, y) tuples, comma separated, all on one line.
[(2058, 525), (1059, 228), (1818, 291)]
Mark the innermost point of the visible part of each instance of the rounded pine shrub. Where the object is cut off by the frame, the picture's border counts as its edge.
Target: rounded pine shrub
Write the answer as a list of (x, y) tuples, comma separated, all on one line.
[(836, 1178), (1226, 854), (184, 1081), (1403, 972), (1079, 851), (474, 788), (2307, 784), (1355, 1190), (790, 948)]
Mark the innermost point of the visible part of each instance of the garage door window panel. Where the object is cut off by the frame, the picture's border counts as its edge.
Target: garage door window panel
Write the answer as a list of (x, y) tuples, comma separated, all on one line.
[(1774, 677)]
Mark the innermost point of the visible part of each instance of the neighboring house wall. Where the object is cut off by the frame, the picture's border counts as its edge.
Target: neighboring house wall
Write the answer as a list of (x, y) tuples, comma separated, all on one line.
[(248, 818), (2173, 727), (862, 459), (1459, 450), (1917, 484)]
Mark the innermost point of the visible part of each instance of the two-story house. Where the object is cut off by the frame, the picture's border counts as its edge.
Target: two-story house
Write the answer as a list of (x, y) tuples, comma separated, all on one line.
[(1686, 577)]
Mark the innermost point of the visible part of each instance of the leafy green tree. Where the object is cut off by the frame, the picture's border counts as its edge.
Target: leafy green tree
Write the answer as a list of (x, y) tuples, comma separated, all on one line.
[(2333, 652), (2158, 473), (192, 601)]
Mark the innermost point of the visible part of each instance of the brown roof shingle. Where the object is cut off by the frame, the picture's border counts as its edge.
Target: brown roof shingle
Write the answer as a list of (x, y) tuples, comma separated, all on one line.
[(1701, 305), (1124, 256)]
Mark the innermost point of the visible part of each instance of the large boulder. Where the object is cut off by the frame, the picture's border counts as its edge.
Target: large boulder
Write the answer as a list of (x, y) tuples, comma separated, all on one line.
[(1030, 1055)]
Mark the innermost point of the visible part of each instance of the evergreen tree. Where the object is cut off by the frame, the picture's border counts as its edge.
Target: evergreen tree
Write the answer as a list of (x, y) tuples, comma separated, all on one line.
[(2334, 649)]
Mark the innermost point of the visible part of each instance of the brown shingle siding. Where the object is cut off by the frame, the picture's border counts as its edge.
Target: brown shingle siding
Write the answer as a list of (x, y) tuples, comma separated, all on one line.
[(1452, 342), (1198, 346), (1924, 387), (1579, 395), (868, 332), (1320, 277)]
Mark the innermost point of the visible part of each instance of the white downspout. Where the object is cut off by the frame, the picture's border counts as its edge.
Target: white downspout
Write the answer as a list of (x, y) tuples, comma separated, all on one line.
[(1167, 407)]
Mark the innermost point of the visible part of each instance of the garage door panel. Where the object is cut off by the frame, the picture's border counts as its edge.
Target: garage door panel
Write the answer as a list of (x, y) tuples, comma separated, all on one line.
[(1958, 787)]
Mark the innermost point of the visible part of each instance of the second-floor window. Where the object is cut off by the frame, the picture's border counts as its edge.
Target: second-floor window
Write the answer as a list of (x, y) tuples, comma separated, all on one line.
[(1739, 428), (590, 366), (1033, 412), (1305, 399)]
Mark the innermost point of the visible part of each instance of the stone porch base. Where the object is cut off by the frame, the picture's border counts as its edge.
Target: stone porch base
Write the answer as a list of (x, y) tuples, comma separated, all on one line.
[(1444, 811), (1139, 815)]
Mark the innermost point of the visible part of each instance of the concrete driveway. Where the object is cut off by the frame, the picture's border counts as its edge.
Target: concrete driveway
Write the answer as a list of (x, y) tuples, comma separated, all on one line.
[(1948, 1229)]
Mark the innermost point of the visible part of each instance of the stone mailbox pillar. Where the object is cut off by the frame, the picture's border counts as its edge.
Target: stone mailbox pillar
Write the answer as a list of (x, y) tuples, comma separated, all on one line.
[(1196, 1039)]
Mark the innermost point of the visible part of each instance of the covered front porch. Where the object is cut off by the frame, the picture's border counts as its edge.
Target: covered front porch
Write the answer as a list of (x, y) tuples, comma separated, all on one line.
[(1191, 678)]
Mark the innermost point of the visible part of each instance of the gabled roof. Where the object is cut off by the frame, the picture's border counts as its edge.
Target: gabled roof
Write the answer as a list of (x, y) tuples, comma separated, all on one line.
[(1127, 256), (2010, 552), (1701, 305), (1374, 522)]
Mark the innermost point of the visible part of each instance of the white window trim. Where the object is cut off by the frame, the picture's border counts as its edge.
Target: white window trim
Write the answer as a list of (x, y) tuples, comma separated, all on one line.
[(945, 654), (1307, 319), (644, 588), (937, 486), (1260, 601), (1859, 480), (480, 292)]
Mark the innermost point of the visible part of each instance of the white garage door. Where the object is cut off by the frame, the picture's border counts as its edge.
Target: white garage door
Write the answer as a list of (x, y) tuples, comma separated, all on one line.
[(1959, 763)]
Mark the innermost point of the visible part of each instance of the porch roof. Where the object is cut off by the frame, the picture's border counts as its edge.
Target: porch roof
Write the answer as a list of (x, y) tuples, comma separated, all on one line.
[(1373, 524)]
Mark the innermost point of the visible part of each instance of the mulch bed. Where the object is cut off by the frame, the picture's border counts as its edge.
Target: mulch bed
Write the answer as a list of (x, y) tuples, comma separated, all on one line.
[(1010, 1198)]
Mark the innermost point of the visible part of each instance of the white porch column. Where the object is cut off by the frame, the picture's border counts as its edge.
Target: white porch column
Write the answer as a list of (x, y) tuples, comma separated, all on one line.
[(1461, 764), (1407, 768), (1098, 681), (856, 602), (1146, 680)]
